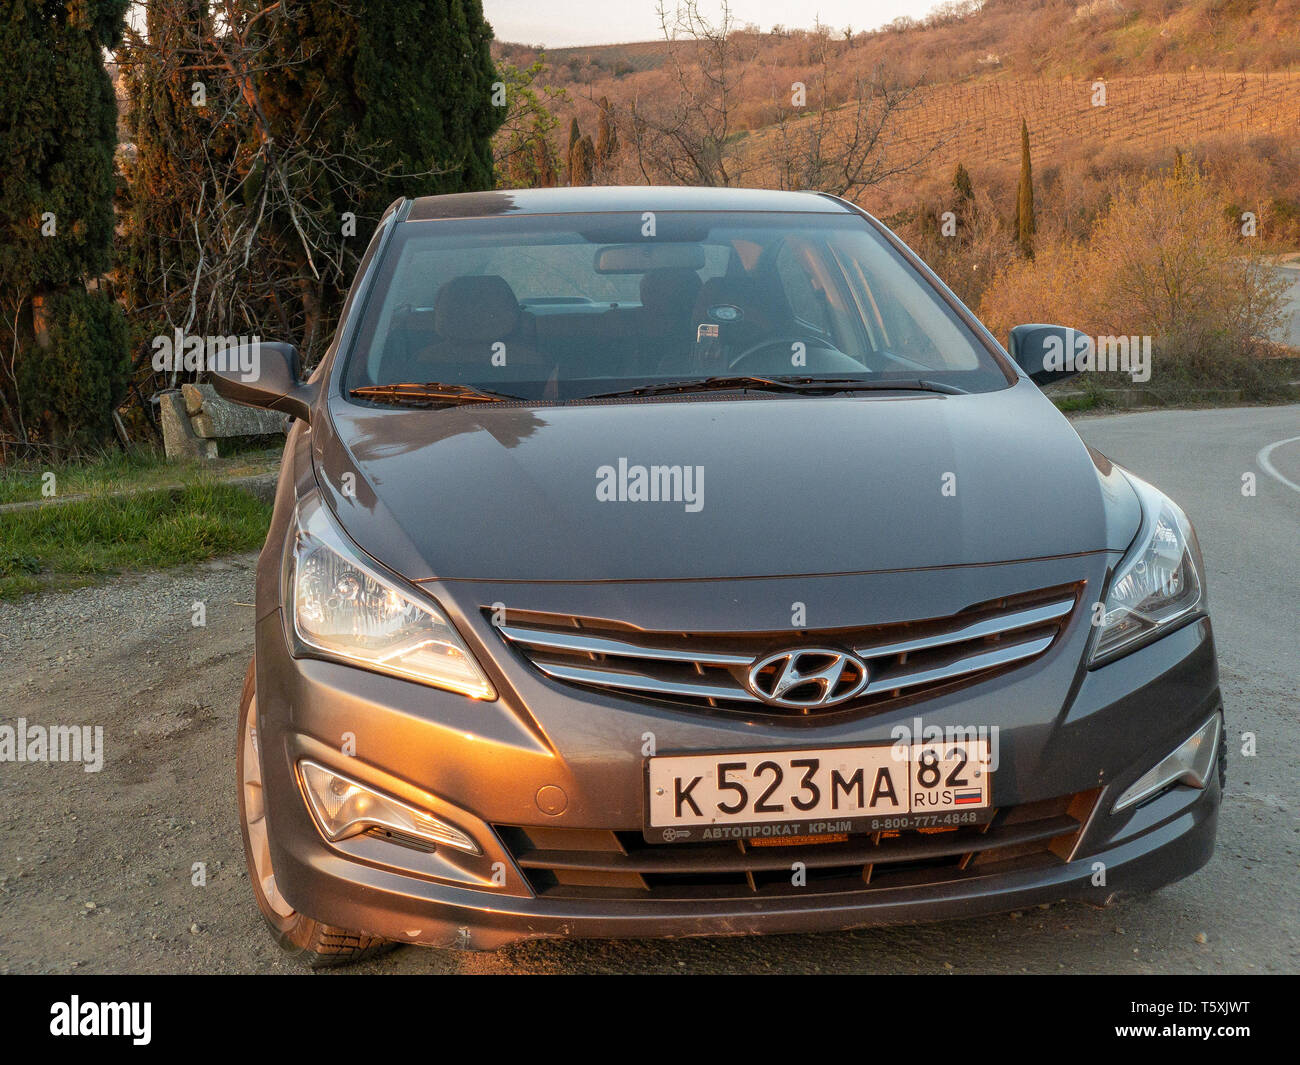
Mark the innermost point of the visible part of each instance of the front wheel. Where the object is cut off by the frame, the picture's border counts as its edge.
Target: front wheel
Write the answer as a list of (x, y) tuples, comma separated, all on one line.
[(319, 945)]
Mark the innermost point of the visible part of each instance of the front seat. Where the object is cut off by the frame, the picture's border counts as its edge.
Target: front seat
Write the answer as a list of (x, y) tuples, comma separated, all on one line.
[(665, 325), (472, 315)]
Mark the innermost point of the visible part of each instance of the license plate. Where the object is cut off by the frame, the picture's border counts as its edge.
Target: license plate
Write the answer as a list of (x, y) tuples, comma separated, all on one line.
[(826, 791)]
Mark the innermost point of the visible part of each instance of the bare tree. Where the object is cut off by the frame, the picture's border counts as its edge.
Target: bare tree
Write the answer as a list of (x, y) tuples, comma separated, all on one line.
[(684, 136), (849, 140), (236, 228), (13, 414)]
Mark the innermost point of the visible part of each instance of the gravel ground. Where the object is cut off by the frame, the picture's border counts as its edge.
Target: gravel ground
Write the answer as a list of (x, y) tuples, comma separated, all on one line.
[(97, 870)]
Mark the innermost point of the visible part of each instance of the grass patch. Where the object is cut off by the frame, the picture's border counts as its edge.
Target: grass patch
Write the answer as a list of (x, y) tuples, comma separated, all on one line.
[(139, 469), (64, 545), (1067, 404), (1084, 392)]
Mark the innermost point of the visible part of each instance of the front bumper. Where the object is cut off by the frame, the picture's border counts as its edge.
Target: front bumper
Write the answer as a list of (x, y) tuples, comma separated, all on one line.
[(394, 906), (482, 766)]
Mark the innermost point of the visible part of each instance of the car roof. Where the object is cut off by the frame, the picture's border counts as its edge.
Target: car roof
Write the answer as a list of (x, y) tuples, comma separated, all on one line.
[(601, 199)]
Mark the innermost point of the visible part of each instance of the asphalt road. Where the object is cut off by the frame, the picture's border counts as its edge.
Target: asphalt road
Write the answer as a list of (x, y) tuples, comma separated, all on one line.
[(98, 870), (1289, 333)]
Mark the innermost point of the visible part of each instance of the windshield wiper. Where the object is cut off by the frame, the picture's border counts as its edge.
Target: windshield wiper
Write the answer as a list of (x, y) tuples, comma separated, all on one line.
[(856, 384), (700, 384), (803, 385), (429, 393)]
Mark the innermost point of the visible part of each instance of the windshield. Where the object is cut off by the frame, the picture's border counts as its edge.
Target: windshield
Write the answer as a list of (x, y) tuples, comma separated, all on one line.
[(565, 306)]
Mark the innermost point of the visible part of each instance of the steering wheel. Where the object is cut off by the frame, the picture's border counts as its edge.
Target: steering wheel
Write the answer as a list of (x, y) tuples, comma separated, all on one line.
[(754, 349)]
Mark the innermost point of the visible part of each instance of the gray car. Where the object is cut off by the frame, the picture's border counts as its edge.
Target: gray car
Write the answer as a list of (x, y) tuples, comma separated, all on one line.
[(667, 562)]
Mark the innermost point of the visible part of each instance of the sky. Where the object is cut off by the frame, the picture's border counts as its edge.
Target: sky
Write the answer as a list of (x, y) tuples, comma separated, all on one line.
[(558, 23)]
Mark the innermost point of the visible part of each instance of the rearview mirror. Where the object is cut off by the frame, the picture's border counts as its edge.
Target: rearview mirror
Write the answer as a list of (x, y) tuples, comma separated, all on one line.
[(642, 258), (268, 380), (1048, 353)]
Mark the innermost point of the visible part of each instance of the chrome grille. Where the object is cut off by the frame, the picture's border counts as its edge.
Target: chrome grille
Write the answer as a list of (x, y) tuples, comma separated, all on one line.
[(710, 670)]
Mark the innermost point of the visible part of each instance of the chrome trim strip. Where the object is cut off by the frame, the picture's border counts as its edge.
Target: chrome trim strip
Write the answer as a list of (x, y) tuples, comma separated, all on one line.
[(976, 629), (640, 682), (997, 656), (601, 645)]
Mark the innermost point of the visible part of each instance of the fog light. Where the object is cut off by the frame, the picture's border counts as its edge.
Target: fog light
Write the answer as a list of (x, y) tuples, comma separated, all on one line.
[(1190, 764), (343, 807)]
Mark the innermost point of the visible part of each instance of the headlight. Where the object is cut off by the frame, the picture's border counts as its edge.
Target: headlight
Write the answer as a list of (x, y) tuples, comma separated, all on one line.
[(1158, 584), (344, 608)]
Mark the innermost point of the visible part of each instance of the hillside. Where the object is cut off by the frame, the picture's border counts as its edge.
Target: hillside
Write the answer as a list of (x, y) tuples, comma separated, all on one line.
[(1241, 126), (1205, 77), (1058, 38)]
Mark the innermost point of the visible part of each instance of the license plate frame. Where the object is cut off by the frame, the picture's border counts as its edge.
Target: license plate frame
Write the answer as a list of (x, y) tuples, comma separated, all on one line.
[(834, 812)]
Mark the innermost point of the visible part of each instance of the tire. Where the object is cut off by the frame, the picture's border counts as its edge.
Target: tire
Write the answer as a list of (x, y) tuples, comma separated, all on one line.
[(318, 945), (1223, 755)]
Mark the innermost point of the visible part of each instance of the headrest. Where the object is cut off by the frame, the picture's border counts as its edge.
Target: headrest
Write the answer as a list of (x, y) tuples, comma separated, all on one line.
[(670, 290), (475, 308)]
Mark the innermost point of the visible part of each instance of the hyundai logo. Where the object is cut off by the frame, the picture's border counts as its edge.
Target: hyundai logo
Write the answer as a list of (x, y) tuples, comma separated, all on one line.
[(807, 678)]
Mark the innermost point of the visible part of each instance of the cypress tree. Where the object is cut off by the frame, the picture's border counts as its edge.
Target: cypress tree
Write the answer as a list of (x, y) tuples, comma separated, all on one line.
[(179, 135), (575, 135), (962, 184), (58, 134), (582, 162), (1024, 221), (964, 207), (379, 100), (409, 83), (606, 135), (544, 165)]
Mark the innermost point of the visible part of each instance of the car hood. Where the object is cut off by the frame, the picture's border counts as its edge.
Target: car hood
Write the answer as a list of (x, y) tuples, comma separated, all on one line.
[(765, 486)]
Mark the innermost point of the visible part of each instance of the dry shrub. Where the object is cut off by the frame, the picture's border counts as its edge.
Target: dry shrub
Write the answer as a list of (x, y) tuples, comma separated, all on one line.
[(1047, 289), (969, 261), (1161, 261), (1261, 176)]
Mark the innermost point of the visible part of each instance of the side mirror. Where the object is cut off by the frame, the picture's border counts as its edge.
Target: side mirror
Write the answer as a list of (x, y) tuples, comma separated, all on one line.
[(268, 378), (1047, 353)]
